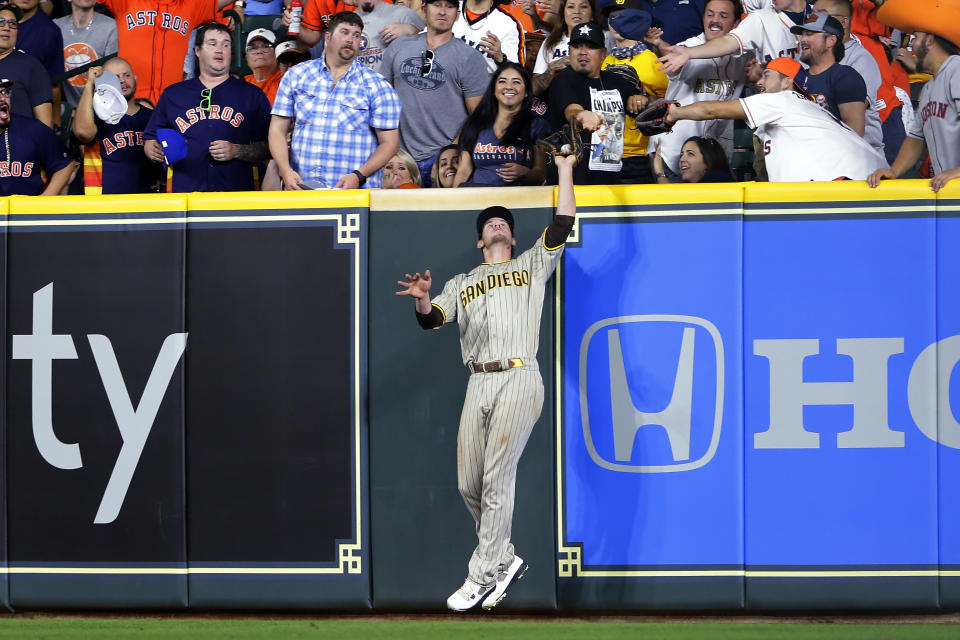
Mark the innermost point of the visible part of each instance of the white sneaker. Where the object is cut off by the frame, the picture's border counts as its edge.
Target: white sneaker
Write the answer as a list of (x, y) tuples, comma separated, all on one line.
[(513, 573), (468, 596)]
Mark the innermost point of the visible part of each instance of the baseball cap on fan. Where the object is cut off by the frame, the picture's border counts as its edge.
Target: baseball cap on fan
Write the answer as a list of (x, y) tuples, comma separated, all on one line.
[(590, 32), (632, 24), (264, 34), (790, 68), (108, 101), (819, 23)]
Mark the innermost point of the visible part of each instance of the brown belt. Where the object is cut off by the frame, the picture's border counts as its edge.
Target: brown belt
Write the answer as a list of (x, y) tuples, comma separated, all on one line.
[(495, 365)]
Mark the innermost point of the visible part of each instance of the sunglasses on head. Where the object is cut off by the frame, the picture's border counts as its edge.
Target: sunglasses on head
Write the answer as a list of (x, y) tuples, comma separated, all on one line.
[(427, 66)]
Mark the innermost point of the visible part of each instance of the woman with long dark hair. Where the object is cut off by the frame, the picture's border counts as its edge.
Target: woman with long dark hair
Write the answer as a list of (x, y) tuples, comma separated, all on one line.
[(498, 140), (701, 160)]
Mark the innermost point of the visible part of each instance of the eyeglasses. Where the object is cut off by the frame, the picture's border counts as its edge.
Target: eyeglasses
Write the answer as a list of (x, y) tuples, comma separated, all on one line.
[(205, 99), (427, 65), (259, 47), (9, 22), (5, 91)]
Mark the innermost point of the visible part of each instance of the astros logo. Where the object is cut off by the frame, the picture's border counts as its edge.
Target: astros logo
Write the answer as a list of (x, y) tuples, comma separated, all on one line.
[(76, 55)]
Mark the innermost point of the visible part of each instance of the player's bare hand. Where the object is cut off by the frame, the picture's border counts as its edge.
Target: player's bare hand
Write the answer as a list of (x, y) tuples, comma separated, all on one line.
[(565, 161), (880, 174), (416, 286), (223, 151), (153, 150), (291, 180), (348, 181), (589, 120), (940, 180), (512, 171), (673, 61), (491, 46)]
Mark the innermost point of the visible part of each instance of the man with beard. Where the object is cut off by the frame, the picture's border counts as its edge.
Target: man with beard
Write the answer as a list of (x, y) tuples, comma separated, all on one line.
[(836, 87), (937, 125), (497, 307), (711, 79), (765, 32), (346, 116), (599, 100), (32, 95), (801, 141), (223, 119), (440, 80), (29, 148), (118, 153)]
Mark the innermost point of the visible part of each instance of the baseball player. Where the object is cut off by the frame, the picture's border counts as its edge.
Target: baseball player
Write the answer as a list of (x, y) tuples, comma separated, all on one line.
[(498, 306), (801, 140), (223, 119), (153, 36), (28, 148), (937, 125), (720, 78), (765, 31)]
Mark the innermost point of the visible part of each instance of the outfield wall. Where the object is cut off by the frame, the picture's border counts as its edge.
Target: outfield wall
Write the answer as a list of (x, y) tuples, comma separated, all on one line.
[(216, 401)]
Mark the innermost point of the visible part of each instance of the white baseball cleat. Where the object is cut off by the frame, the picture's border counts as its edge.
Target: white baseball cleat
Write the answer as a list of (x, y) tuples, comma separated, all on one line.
[(468, 596), (516, 570)]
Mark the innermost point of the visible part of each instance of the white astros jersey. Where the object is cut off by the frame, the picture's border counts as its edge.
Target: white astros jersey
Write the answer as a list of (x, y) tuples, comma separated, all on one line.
[(803, 141), (767, 33), (498, 306), (498, 22), (559, 50), (938, 116), (700, 80)]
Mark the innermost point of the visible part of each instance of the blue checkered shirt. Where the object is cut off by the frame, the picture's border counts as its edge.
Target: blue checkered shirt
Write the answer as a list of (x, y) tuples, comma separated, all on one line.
[(334, 129)]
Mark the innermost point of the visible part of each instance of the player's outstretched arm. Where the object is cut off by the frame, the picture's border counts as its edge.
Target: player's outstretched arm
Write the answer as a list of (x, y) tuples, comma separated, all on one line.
[(678, 56), (417, 287), (940, 180), (566, 199), (910, 153)]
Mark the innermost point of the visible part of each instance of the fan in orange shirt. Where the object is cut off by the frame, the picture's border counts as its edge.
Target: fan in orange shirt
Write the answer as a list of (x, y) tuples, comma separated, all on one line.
[(262, 60), (153, 36)]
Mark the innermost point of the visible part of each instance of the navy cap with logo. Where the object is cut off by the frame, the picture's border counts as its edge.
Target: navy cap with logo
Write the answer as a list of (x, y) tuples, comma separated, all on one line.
[(820, 23), (588, 32)]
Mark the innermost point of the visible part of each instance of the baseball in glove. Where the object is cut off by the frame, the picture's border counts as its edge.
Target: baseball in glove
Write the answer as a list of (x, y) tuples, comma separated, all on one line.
[(653, 119), (565, 142)]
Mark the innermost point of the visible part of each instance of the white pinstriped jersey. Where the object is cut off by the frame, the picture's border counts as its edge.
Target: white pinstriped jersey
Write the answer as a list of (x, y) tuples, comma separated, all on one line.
[(803, 141), (498, 306), (700, 80), (767, 33), (498, 22), (938, 116)]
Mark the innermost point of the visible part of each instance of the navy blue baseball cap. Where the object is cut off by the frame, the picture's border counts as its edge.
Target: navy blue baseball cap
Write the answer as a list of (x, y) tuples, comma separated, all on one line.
[(632, 24), (588, 32), (495, 211)]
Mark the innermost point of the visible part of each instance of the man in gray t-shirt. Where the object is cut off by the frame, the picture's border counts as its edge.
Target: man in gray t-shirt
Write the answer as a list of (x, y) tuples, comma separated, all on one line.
[(383, 23), (87, 36), (440, 80), (936, 126)]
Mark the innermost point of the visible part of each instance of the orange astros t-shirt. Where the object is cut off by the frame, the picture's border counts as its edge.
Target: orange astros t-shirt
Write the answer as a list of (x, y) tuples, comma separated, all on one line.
[(153, 36), (269, 85)]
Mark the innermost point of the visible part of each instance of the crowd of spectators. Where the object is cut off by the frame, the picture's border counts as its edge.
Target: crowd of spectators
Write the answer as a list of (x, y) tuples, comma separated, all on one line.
[(136, 96)]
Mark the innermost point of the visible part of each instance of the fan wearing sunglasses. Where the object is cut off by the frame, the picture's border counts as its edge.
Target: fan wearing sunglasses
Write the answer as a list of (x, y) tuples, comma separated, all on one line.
[(223, 119), (440, 79)]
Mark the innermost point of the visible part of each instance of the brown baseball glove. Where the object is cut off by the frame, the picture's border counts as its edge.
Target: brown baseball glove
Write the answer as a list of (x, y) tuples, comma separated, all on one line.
[(653, 119), (565, 142)]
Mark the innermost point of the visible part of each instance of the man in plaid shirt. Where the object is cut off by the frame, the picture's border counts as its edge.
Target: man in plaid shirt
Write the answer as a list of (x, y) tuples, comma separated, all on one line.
[(346, 116)]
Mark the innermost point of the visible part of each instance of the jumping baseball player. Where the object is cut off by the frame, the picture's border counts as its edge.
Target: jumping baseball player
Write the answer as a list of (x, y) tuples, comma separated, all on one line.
[(223, 119), (765, 31), (498, 306), (801, 140)]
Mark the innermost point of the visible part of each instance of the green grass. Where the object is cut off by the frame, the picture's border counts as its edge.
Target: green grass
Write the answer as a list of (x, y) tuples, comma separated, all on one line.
[(57, 628)]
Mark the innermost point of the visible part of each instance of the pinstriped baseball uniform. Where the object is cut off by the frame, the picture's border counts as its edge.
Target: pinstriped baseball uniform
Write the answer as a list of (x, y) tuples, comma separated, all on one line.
[(498, 307)]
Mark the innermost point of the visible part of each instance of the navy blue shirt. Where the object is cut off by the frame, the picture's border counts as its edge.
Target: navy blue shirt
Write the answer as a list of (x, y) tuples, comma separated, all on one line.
[(34, 148), (42, 39), (239, 113), (31, 83), (126, 169), (835, 86), (490, 153)]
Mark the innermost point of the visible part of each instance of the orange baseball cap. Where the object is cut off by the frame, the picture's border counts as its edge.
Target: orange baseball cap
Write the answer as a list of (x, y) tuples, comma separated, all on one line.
[(790, 68)]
